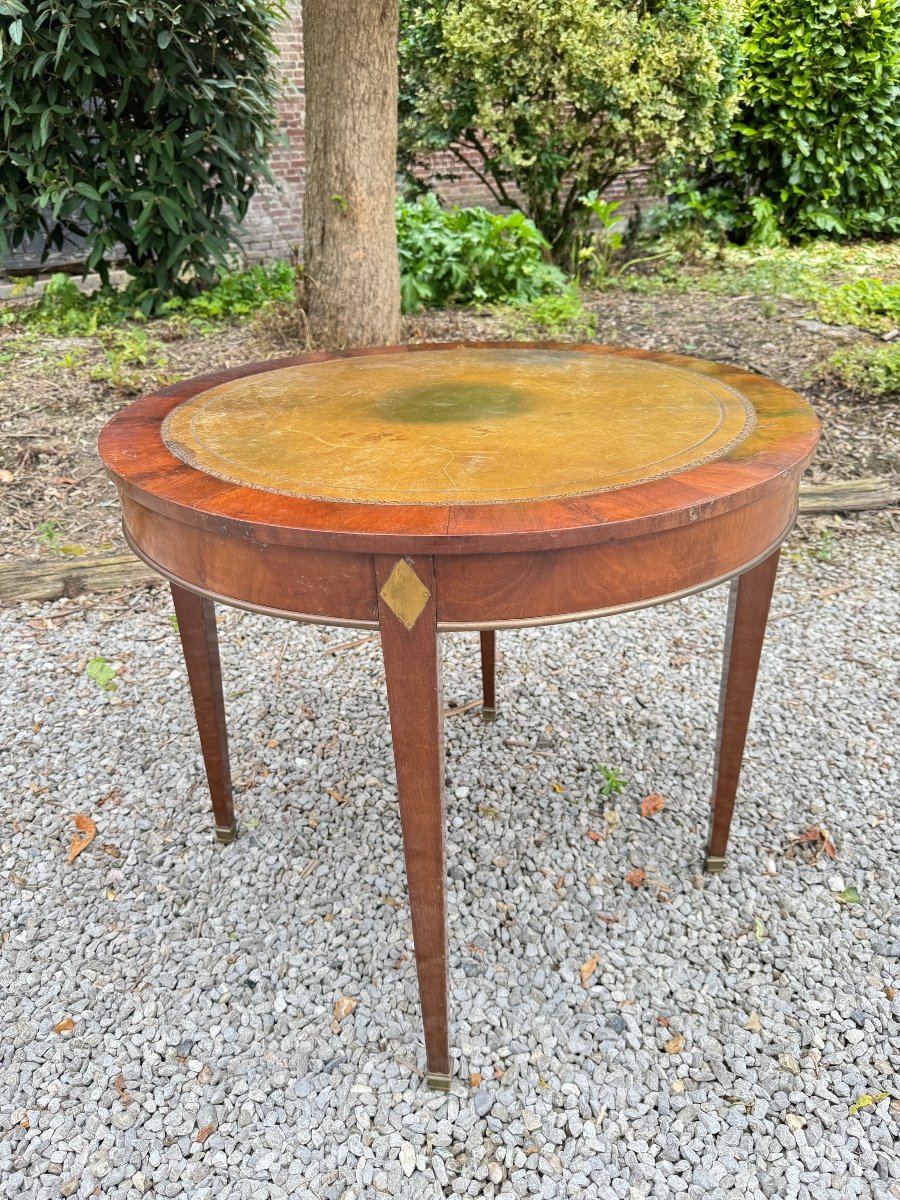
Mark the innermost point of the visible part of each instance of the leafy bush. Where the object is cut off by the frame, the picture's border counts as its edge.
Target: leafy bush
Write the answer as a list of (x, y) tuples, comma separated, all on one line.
[(558, 317), (237, 293), (145, 126), (64, 310), (871, 370), (551, 100), (867, 303), (815, 145), (469, 256)]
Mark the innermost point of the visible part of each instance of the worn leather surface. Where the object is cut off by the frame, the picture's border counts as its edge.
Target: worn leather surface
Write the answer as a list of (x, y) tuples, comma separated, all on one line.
[(459, 426)]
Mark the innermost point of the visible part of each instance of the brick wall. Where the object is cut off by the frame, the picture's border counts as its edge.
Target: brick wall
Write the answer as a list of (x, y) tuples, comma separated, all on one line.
[(274, 223), (452, 183)]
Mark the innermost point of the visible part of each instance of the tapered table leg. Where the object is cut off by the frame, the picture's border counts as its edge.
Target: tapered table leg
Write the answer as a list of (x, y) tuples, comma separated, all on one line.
[(748, 611), (488, 675), (200, 643), (409, 639)]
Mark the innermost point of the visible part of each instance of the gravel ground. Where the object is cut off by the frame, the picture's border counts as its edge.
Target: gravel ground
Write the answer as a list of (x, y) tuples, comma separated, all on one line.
[(193, 985)]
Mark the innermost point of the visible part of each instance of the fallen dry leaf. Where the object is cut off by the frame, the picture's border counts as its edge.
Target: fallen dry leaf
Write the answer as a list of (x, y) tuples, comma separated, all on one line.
[(664, 1021), (6, 476), (609, 918), (343, 1007), (588, 968), (392, 903), (890, 992), (636, 877), (675, 1044), (204, 1133), (336, 795), (119, 1085), (474, 1079), (17, 879), (111, 849), (595, 836), (272, 744), (64, 1026), (86, 832), (817, 839), (651, 804), (753, 1023), (558, 787)]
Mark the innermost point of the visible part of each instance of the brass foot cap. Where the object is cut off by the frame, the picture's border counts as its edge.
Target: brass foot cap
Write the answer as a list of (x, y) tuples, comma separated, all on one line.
[(489, 714), (226, 833), (715, 864), (437, 1081)]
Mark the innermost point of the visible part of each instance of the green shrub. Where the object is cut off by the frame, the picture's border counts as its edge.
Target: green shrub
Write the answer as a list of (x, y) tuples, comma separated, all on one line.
[(64, 310), (237, 293), (141, 125), (469, 256), (867, 303), (553, 99), (558, 317), (815, 144), (871, 370)]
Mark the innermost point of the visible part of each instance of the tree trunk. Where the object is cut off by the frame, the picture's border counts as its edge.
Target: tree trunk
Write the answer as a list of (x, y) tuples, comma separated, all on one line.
[(352, 277)]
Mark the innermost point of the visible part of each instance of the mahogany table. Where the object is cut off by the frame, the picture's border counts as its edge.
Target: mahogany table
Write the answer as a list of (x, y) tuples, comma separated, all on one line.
[(484, 486)]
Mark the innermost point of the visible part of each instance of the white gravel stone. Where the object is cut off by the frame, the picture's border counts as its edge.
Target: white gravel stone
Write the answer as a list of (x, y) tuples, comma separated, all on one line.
[(201, 979)]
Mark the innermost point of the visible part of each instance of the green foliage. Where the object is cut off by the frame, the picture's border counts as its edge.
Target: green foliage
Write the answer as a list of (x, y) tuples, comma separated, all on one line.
[(597, 246), (102, 673), (48, 535), (553, 99), (815, 144), (469, 256), (867, 369), (613, 783), (677, 263), (867, 303), (145, 126), (559, 316), (64, 310), (127, 354)]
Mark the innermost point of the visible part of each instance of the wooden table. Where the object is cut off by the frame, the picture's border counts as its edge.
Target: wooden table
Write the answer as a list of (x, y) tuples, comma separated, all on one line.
[(418, 489)]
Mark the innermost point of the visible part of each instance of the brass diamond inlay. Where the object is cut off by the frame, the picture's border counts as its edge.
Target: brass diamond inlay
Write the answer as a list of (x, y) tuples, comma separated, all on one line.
[(405, 594)]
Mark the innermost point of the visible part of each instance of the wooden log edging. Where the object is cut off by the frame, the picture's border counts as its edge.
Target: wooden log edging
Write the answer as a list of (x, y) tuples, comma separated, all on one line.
[(849, 495), (59, 577)]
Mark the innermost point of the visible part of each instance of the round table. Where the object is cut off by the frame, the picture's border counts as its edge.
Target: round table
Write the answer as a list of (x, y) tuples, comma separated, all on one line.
[(416, 489)]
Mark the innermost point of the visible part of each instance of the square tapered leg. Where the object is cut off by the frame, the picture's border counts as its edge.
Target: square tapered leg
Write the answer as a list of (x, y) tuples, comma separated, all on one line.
[(748, 611), (200, 643), (409, 639)]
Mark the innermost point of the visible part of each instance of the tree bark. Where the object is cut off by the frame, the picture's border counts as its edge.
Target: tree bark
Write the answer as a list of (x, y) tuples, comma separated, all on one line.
[(352, 277)]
